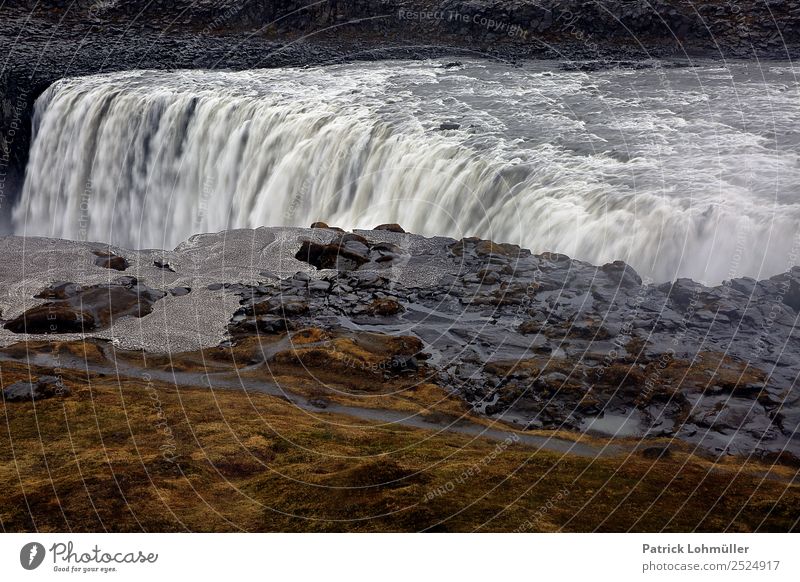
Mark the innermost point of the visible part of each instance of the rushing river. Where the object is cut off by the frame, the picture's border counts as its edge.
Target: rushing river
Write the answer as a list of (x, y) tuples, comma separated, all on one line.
[(690, 171)]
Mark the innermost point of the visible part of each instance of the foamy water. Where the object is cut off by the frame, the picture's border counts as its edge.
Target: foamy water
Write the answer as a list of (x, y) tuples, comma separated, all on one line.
[(680, 172)]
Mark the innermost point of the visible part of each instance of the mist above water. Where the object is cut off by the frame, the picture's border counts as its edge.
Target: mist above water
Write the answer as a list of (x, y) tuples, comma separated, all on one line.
[(679, 172)]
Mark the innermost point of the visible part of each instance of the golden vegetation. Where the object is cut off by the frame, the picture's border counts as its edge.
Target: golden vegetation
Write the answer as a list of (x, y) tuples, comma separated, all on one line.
[(131, 454)]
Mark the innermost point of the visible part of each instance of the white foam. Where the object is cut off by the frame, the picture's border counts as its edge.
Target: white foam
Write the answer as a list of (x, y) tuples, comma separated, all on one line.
[(673, 171)]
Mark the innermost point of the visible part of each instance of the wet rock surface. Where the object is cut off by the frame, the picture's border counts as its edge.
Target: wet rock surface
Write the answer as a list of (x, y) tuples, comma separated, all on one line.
[(349, 252), (538, 340), (109, 260), (75, 309)]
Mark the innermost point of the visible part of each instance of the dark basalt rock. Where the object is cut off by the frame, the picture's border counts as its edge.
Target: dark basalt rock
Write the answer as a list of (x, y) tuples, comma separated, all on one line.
[(109, 260), (402, 364), (476, 247), (287, 306), (44, 387), (59, 290), (335, 255), (623, 274), (560, 341), (541, 340), (75, 309), (682, 292), (789, 288), (263, 324), (163, 265), (392, 227), (325, 226), (53, 318), (348, 252), (385, 307)]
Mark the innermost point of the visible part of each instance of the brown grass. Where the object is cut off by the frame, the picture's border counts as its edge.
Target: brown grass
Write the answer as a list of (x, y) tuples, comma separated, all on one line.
[(129, 456)]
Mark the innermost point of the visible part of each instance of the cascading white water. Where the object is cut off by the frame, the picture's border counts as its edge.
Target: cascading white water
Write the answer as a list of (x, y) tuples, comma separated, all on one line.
[(686, 172)]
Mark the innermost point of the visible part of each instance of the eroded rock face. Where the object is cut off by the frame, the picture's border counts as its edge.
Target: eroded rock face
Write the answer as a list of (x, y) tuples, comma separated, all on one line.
[(548, 342), (543, 341)]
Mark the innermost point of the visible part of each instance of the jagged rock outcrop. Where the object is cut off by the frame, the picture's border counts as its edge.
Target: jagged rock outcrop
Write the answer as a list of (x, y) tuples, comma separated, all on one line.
[(539, 340)]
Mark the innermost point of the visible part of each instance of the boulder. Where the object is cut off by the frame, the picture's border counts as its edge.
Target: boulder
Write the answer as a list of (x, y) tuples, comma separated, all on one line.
[(343, 254), (44, 387), (109, 260), (622, 274), (162, 265), (385, 307), (391, 227), (76, 309)]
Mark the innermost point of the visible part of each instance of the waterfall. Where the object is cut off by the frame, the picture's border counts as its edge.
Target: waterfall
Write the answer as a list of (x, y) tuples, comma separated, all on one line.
[(146, 159)]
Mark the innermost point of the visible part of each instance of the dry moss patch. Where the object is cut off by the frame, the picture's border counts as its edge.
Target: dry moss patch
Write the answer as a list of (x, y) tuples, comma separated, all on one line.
[(127, 454)]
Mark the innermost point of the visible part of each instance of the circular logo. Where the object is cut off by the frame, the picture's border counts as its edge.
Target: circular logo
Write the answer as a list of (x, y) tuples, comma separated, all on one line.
[(31, 555)]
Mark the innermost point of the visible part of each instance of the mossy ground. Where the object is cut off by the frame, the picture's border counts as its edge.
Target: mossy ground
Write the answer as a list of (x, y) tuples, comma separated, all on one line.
[(128, 454)]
